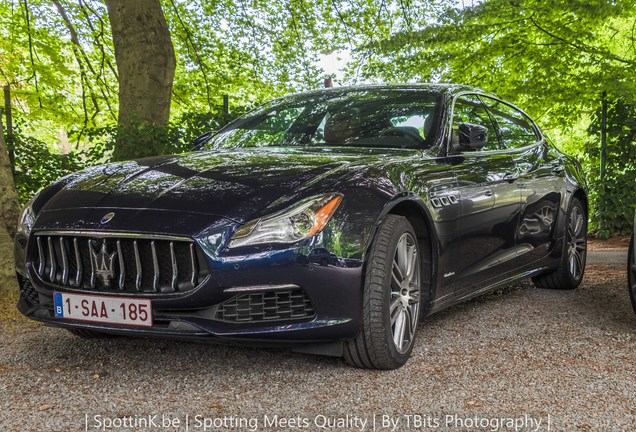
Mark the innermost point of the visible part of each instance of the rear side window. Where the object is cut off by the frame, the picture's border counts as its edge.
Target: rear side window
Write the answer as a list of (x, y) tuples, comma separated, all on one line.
[(515, 129)]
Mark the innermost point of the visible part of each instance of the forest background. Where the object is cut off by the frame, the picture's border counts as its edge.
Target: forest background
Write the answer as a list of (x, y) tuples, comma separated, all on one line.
[(88, 81)]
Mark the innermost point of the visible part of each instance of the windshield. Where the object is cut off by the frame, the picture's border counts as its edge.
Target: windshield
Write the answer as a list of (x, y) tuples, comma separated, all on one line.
[(360, 118)]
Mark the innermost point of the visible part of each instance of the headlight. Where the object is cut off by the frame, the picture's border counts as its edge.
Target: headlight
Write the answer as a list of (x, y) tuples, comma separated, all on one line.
[(298, 222), (27, 218)]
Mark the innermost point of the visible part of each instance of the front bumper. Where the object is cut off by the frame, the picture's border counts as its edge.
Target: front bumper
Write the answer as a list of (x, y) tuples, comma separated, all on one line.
[(333, 287), (335, 294)]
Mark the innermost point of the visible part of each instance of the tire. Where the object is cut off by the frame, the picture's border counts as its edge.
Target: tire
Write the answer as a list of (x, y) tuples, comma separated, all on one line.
[(571, 269), (391, 299), (90, 334), (631, 273)]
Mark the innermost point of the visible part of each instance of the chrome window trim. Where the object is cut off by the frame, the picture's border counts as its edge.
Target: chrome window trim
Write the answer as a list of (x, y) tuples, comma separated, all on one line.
[(449, 127)]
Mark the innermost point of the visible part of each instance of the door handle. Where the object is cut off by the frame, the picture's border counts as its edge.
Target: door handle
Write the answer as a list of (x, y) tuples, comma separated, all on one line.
[(488, 192)]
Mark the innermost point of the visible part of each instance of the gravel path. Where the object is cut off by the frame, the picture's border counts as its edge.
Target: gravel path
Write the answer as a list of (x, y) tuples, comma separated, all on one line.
[(566, 357), (611, 257)]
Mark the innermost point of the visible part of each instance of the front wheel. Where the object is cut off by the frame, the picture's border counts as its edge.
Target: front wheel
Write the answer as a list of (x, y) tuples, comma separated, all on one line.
[(569, 274), (631, 273), (391, 299)]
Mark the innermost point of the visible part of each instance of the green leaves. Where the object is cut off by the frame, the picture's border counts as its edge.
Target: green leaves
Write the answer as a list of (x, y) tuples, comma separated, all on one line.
[(614, 199), (37, 165), (552, 58)]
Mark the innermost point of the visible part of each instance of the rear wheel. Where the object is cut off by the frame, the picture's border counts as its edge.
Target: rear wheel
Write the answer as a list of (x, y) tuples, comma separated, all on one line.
[(391, 299), (631, 273), (570, 272)]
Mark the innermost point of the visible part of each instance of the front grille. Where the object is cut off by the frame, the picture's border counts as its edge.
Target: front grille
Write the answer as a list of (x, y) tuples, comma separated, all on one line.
[(113, 264), (28, 292), (274, 305)]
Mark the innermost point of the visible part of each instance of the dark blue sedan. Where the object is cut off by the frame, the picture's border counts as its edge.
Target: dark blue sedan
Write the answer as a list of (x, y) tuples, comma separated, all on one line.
[(330, 221)]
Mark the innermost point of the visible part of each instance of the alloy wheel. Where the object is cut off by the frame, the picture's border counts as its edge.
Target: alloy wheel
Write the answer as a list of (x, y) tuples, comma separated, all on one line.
[(405, 293), (577, 243)]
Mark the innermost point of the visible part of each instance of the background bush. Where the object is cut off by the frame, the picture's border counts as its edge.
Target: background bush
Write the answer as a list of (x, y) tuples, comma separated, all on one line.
[(36, 165), (612, 202), (614, 199)]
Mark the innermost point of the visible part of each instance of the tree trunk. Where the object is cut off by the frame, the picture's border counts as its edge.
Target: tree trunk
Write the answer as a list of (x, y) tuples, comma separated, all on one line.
[(7, 265), (8, 215), (8, 196), (145, 63)]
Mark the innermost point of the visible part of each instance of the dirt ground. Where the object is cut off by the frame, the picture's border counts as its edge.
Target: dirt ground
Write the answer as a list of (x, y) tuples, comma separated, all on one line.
[(616, 242)]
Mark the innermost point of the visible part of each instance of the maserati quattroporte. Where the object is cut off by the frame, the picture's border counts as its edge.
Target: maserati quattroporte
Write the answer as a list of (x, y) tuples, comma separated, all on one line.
[(330, 221)]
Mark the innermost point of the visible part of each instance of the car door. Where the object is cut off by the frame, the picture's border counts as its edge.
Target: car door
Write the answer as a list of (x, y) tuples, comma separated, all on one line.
[(489, 203), (541, 178), (433, 179)]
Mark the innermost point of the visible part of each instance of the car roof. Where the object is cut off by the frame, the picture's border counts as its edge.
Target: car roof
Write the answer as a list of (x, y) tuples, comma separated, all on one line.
[(440, 88)]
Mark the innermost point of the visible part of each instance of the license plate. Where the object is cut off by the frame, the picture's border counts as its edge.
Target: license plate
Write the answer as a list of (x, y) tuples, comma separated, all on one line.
[(112, 310)]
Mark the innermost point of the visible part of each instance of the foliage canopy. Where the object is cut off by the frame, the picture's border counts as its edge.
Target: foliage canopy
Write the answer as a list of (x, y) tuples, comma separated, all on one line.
[(552, 58)]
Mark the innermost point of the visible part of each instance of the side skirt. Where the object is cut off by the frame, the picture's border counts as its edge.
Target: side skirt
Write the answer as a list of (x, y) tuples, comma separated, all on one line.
[(438, 306)]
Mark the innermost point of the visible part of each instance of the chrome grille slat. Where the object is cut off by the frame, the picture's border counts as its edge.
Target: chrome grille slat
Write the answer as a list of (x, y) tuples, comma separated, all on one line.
[(92, 275), (52, 263), (122, 266), (155, 266), (175, 268), (78, 263), (195, 265), (118, 265), (138, 266), (41, 263), (65, 266)]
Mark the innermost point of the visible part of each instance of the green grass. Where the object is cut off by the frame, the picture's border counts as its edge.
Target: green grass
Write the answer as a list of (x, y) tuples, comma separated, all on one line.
[(10, 317)]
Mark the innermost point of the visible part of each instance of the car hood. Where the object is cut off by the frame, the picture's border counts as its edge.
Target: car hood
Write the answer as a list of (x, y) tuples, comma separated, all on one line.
[(236, 184)]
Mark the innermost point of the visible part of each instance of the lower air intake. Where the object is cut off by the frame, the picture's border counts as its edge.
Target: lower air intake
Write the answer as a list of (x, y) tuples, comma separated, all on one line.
[(264, 306), (28, 292)]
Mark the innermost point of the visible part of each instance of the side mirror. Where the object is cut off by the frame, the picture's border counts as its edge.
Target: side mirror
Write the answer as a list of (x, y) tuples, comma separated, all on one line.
[(471, 137)]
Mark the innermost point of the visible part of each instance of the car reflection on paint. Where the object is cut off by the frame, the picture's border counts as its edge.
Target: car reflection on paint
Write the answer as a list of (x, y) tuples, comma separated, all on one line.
[(330, 222), (321, 256)]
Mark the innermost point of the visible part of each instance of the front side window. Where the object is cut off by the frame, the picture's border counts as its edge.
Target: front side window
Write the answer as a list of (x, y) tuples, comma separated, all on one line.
[(360, 118), (515, 128), (469, 109)]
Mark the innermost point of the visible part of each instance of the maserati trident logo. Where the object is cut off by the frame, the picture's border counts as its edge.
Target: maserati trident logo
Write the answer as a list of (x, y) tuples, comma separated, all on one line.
[(107, 218), (103, 263)]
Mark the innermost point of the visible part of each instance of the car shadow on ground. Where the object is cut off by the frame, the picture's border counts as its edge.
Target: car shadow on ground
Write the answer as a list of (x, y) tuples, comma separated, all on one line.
[(603, 299), (600, 302), (151, 355), (65, 348)]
